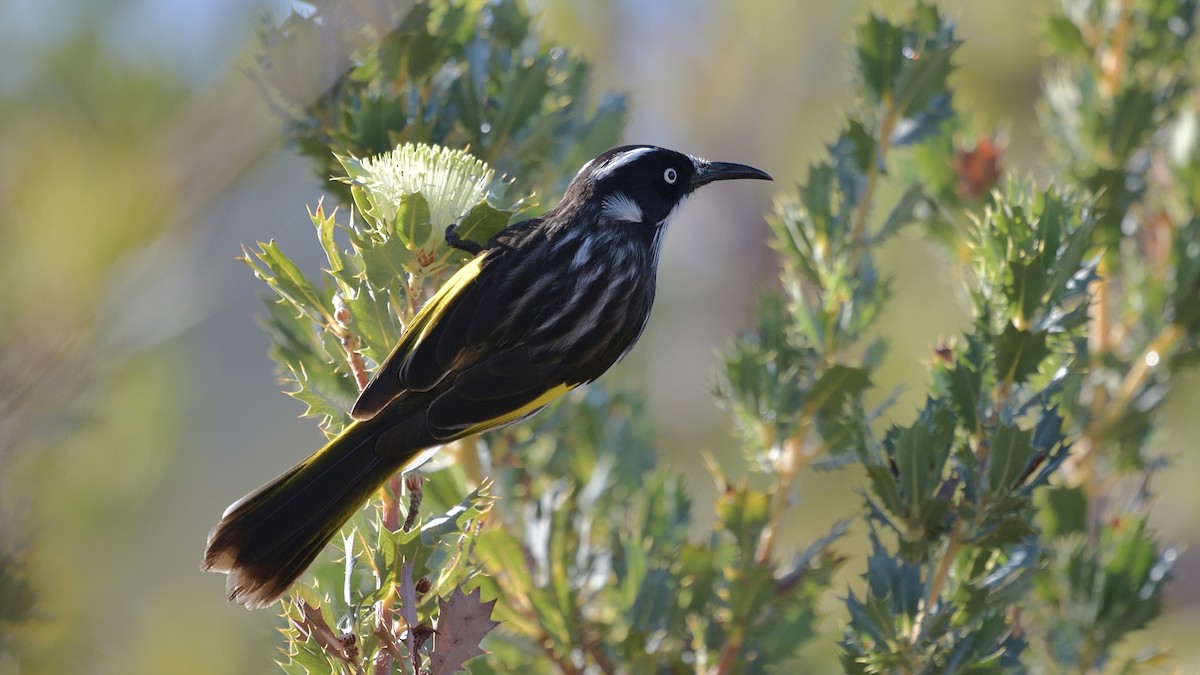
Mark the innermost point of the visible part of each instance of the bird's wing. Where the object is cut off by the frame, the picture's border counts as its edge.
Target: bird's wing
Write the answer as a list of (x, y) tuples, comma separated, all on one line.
[(406, 367), (500, 389)]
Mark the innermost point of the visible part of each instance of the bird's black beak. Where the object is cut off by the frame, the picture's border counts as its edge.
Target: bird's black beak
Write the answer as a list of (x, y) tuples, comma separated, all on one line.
[(708, 172)]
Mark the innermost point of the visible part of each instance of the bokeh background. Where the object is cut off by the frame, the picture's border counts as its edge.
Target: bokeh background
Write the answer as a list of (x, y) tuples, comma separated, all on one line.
[(136, 397)]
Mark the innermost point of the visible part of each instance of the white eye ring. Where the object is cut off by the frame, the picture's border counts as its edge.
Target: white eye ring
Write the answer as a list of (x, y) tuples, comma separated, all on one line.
[(670, 176)]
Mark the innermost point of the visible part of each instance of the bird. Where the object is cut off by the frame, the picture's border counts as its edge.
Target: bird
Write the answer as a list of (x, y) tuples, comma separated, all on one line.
[(546, 305)]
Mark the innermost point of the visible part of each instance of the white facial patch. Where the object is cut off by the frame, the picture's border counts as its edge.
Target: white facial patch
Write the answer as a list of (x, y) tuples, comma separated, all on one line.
[(619, 206), (674, 211), (619, 161)]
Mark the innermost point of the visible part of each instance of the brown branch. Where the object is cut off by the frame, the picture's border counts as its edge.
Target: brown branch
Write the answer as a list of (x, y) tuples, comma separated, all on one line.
[(1112, 62), (887, 126), (390, 655), (728, 658), (792, 459), (391, 502), (413, 482), (351, 342), (940, 575)]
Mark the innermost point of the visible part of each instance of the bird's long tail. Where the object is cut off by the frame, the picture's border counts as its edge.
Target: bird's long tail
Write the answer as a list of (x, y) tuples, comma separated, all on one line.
[(268, 538)]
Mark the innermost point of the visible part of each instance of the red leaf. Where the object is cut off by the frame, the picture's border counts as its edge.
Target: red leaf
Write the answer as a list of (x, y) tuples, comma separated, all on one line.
[(463, 622)]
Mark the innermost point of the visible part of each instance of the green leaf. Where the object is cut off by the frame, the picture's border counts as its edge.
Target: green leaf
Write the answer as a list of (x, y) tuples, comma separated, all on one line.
[(742, 511), (373, 321), (1063, 511), (922, 94), (1019, 353), (903, 212), (1131, 121), (325, 227), (386, 264), (483, 222), (1134, 578), (412, 220), (1011, 450), (323, 399), (286, 279), (879, 46), (884, 485), (1065, 37), (836, 386), (965, 385), (852, 155), (1026, 288), (920, 452), (504, 553)]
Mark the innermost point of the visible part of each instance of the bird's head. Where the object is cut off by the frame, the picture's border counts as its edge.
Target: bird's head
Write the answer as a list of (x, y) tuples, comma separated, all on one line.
[(647, 184)]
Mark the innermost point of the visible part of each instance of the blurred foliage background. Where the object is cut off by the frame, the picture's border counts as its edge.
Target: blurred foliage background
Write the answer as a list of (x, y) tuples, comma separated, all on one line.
[(136, 402)]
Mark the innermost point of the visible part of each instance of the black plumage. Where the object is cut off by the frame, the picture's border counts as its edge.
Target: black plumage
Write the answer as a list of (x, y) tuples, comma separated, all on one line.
[(546, 305)]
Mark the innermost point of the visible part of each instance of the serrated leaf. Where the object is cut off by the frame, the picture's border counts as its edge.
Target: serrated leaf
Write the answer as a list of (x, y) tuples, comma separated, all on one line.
[(1063, 511), (920, 452), (372, 320), (1025, 289), (883, 483), (413, 226), (923, 123), (966, 392), (879, 45), (503, 553), (1004, 532), (1131, 121), (310, 624), (1019, 353), (483, 222), (835, 386), (852, 155), (325, 227), (463, 621), (801, 563), (1065, 37), (903, 212), (386, 263), (895, 585), (286, 279), (325, 402), (743, 512), (1010, 452)]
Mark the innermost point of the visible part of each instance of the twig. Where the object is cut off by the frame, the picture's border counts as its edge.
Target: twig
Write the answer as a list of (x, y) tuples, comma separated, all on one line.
[(408, 611), (1112, 62), (413, 482), (791, 460), (858, 232), (391, 503), (728, 655), (390, 655), (1105, 416), (592, 646), (940, 575), (351, 342)]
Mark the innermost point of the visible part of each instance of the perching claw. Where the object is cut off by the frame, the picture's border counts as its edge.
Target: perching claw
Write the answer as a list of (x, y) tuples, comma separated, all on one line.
[(455, 241)]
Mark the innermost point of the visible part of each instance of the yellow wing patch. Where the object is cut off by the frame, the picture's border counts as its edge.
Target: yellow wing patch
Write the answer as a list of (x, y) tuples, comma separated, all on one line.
[(385, 385), (433, 310), (524, 411)]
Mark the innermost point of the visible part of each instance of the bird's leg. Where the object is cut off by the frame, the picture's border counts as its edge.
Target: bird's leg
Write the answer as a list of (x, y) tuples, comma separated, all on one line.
[(455, 241)]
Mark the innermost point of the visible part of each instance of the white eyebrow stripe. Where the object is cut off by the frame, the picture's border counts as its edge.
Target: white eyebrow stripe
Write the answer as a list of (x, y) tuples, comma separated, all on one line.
[(620, 161), (583, 169), (619, 206)]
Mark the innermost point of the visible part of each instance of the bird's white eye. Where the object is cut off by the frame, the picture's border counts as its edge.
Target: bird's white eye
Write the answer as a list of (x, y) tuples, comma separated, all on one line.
[(670, 176)]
